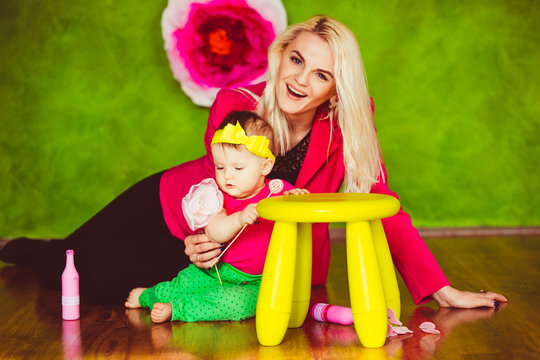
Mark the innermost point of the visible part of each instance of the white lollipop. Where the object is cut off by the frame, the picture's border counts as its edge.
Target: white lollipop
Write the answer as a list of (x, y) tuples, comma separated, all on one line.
[(275, 186)]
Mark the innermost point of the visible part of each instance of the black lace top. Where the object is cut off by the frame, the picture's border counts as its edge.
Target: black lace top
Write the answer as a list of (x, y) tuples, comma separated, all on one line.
[(288, 166)]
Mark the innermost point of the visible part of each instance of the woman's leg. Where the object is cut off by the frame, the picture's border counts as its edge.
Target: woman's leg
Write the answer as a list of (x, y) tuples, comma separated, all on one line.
[(125, 245), (128, 244)]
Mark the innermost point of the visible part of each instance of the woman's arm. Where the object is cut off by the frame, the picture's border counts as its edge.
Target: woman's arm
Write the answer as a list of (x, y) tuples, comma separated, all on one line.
[(413, 259), (418, 267)]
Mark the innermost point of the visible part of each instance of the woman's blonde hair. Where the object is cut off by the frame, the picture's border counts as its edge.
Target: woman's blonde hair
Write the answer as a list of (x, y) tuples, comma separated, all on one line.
[(361, 151)]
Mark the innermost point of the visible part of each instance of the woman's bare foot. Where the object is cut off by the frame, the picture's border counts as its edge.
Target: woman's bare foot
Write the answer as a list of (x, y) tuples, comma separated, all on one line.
[(161, 312), (132, 301)]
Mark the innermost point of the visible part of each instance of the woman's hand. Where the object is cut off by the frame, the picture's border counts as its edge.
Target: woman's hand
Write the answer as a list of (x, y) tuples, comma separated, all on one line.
[(201, 250), (450, 297), (296, 191)]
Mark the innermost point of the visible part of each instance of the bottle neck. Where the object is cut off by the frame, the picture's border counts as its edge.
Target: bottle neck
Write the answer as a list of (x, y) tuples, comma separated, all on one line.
[(69, 260)]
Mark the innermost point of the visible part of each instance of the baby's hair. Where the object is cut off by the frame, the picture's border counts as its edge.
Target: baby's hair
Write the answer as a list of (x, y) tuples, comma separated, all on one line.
[(253, 125)]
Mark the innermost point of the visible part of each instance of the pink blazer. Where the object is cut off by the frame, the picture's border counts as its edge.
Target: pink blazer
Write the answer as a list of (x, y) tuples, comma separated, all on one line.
[(322, 171)]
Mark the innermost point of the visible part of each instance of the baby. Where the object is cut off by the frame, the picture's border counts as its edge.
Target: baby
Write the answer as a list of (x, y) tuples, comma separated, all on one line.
[(242, 153)]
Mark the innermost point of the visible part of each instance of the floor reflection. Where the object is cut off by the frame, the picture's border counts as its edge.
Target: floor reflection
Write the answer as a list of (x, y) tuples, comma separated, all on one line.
[(71, 340), (419, 346), (31, 325), (315, 339)]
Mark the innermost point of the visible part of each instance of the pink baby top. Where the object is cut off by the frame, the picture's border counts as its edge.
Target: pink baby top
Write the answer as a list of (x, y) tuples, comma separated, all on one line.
[(248, 252)]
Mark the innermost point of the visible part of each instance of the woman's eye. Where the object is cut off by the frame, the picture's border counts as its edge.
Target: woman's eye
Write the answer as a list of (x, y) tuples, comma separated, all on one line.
[(322, 76), (219, 167), (296, 60), (238, 168)]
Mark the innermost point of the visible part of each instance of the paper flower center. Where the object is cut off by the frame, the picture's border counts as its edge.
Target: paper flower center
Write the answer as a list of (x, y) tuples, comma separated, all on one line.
[(219, 42), (227, 44)]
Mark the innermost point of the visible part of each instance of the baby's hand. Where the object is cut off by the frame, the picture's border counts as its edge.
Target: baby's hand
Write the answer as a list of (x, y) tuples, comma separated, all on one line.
[(296, 191), (248, 215)]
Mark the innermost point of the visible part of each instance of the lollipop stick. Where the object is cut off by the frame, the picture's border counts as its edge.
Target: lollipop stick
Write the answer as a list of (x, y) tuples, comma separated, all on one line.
[(223, 252), (219, 277), (275, 186), (232, 241)]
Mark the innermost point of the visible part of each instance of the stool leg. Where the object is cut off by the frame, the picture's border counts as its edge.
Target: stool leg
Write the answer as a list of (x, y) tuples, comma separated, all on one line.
[(275, 294), (302, 276), (386, 266), (365, 286)]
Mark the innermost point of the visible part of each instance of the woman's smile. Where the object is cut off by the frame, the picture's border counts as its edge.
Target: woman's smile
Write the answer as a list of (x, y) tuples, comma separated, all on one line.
[(293, 93)]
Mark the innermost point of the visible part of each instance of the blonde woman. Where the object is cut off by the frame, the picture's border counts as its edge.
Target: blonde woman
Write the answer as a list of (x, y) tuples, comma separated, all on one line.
[(317, 102)]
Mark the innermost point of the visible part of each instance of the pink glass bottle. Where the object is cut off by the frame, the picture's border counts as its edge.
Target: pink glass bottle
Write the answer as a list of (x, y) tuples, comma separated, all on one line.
[(332, 313), (70, 289)]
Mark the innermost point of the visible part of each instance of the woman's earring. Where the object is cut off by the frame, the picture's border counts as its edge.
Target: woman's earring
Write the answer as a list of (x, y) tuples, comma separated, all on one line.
[(333, 102)]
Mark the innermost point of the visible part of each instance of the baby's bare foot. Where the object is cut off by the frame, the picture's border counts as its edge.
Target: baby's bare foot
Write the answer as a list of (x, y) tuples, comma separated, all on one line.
[(161, 312), (132, 301)]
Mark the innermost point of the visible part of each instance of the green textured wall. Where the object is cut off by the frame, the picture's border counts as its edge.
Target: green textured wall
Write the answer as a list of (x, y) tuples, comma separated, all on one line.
[(88, 106)]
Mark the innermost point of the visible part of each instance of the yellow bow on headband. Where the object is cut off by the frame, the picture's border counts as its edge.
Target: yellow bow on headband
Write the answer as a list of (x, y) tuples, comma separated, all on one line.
[(234, 134)]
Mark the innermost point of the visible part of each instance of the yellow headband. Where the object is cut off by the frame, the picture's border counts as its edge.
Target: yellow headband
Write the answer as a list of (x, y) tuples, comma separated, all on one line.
[(234, 134)]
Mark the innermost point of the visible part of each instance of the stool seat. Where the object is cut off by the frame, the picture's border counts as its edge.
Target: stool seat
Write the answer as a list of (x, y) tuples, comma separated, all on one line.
[(325, 207), (285, 290)]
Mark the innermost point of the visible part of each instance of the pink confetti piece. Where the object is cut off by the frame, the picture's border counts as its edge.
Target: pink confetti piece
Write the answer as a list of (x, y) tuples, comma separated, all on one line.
[(390, 332), (391, 316), (400, 330), (429, 328), (397, 330)]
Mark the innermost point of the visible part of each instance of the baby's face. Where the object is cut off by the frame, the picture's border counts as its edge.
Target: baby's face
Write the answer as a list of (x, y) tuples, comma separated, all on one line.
[(239, 172)]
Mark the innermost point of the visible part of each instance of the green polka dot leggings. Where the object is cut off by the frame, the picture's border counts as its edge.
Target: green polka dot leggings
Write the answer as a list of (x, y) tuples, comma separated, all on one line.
[(196, 295)]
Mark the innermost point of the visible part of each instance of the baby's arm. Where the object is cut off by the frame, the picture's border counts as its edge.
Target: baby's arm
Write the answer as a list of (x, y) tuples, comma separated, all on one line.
[(296, 191), (224, 227)]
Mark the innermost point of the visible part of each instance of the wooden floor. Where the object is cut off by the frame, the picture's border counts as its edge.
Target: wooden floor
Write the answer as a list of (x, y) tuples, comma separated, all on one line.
[(31, 326)]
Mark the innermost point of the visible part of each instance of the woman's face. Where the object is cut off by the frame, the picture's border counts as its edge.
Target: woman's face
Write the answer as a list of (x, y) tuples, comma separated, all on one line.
[(305, 77)]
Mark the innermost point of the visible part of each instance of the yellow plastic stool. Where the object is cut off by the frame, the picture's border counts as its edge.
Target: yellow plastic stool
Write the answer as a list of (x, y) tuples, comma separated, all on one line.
[(286, 281)]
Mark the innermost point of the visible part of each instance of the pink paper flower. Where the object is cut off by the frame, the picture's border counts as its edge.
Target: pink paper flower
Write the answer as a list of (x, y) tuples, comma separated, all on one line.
[(203, 202), (213, 44)]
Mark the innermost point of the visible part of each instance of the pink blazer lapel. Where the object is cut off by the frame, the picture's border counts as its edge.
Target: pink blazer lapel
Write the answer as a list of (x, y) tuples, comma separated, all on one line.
[(318, 151)]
